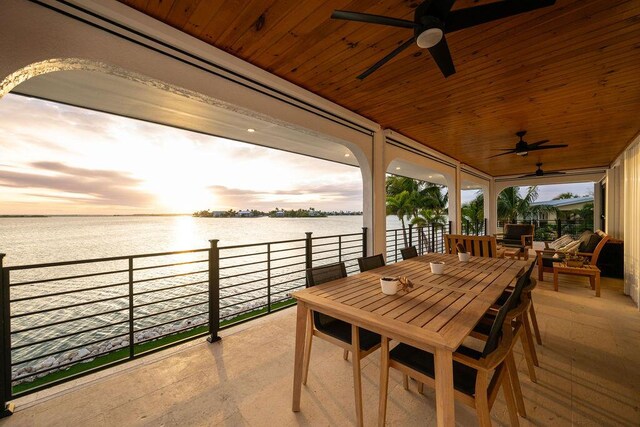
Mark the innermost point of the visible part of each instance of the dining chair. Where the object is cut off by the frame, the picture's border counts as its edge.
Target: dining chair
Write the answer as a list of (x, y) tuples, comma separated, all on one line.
[(528, 320), (409, 252), (472, 380), (516, 314), (351, 338), (370, 262)]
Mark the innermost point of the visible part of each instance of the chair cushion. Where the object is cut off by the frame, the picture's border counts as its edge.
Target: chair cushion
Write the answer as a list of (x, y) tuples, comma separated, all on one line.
[(342, 330), (514, 231), (590, 246), (512, 242), (560, 242), (464, 377)]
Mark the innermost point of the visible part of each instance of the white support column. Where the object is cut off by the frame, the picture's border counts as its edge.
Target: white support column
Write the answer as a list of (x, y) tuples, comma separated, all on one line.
[(455, 202), (597, 206), (379, 224), (491, 208)]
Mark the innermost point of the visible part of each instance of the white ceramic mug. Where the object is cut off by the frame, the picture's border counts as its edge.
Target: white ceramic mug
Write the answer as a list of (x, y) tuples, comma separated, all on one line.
[(463, 256), (389, 285), (437, 267)]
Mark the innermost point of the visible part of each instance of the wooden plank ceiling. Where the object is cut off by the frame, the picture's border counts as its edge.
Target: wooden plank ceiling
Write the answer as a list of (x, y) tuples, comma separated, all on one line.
[(568, 73)]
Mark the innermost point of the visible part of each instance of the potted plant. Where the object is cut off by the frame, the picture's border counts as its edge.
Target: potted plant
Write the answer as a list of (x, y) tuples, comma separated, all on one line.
[(574, 260), (463, 255)]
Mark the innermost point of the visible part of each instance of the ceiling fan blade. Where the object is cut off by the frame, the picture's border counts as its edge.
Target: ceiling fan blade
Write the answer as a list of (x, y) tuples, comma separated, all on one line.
[(528, 175), (537, 144), (387, 58), (442, 56), (554, 173), (502, 154), (440, 8), (546, 147), (373, 19), (472, 16)]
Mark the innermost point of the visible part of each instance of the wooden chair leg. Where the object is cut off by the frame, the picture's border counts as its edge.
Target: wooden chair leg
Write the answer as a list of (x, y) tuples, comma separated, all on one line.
[(405, 382), (512, 372), (511, 404), (345, 356), (482, 400), (534, 322), (528, 336), (420, 387), (307, 349), (540, 269), (357, 380), (527, 356), (384, 381)]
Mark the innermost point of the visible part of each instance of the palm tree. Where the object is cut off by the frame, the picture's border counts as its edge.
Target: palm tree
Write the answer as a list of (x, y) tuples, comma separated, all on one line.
[(511, 203), (401, 205), (473, 212)]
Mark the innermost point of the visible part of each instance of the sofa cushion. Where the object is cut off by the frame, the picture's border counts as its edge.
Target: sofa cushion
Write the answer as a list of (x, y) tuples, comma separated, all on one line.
[(584, 239), (514, 231), (573, 246), (591, 244)]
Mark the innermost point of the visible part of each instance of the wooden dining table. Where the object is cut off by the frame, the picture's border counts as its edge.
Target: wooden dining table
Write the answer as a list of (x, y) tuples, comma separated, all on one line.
[(436, 315)]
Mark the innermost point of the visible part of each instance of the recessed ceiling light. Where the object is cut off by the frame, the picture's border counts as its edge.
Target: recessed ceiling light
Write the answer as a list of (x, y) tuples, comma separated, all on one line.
[(347, 155), (398, 168), (430, 176), (468, 186), (251, 130)]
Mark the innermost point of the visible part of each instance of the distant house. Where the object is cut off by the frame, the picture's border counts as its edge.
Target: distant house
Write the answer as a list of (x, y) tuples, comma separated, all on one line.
[(563, 205), (279, 214), (218, 214), (244, 214), (313, 212)]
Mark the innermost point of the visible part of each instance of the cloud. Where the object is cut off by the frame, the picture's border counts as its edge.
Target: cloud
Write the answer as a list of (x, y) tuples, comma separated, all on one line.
[(322, 195), (95, 186)]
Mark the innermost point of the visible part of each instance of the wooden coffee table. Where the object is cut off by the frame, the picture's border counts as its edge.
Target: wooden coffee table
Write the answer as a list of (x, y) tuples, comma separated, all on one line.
[(507, 251), (588, 270)]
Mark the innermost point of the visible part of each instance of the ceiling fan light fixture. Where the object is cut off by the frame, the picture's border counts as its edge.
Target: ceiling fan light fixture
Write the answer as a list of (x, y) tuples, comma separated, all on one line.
[(429, 37), (522, 153)]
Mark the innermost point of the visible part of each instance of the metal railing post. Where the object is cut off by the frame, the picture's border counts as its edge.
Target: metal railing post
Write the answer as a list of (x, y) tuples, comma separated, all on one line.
[(559, 225), (364, 241), (131, 325), (420, 240), (5, 334), (214, 291), (485, 227), (340, 248), (268, 277), (433, 238), (308, 254), (410, 234), (395, 246)]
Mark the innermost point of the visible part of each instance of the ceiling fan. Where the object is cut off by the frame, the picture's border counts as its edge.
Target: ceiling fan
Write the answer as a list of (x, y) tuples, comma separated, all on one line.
[(540, 172), (523, 148), (433, 18)]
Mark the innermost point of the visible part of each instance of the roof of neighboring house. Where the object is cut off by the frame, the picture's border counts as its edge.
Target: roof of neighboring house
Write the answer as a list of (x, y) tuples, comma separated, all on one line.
[(564, 202)]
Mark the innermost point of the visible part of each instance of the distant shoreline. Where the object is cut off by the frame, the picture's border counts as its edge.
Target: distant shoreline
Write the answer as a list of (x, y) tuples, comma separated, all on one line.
[(86, 215)]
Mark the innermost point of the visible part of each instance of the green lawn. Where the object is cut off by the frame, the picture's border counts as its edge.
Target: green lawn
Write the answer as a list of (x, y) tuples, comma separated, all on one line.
[(139, 349)]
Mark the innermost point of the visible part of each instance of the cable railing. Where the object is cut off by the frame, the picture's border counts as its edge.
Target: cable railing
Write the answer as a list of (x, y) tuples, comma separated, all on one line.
[(425, 239), (62, 320)]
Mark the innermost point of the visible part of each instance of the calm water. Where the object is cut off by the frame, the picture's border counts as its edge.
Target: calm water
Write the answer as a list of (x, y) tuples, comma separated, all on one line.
[(75, 317), (37, 240)]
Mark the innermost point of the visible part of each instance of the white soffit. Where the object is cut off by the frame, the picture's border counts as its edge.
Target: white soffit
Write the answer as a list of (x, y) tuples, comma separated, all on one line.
[(115, 95), (411, 170)]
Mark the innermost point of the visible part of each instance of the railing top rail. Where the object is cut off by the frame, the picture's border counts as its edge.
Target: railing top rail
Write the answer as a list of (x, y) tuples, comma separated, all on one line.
[(94, 260), (336, 235), (248, 245)]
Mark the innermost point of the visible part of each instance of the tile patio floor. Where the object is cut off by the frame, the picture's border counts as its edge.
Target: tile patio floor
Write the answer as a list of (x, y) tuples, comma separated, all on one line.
[(589, 375)]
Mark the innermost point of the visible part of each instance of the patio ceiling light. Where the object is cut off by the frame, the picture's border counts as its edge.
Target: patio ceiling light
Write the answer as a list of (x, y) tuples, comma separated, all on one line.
[(251, 130)]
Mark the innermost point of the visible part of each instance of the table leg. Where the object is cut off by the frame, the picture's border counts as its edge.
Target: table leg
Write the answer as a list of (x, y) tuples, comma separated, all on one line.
[(445, 408), (301, 328), (555, 279), (598, 284)]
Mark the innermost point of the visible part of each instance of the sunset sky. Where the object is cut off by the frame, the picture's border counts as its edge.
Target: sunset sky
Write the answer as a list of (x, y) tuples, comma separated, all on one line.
[(58, 159)]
